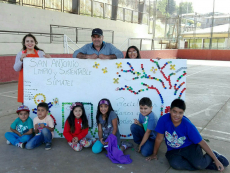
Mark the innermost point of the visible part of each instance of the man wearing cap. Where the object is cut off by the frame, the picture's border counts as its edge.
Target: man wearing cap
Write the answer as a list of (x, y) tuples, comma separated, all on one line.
[(98, 48)]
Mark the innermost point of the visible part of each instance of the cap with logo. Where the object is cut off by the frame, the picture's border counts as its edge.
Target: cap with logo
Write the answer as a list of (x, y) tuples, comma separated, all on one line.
[(97, 31), (23, 108)]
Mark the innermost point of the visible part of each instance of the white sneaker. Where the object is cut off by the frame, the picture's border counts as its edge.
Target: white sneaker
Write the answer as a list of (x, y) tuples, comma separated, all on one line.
[(21, 145), (8, 142)]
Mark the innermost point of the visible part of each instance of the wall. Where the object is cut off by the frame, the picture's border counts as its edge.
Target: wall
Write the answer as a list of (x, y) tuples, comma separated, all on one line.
[(20, 18), (203, 54), (7, 73)]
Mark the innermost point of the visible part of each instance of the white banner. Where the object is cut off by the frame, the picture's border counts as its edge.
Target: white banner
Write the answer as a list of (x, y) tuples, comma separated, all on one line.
[(62, 81)]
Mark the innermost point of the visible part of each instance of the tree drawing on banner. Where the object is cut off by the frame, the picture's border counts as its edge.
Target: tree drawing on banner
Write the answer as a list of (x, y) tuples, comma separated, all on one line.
[(166, 79)]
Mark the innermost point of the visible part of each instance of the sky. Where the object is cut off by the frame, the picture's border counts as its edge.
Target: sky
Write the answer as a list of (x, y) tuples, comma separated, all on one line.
[(205, 6)]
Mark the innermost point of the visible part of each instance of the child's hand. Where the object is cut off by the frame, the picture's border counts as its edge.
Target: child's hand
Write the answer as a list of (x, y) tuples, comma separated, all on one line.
[(47, 56), (104, 143), (152, 157), (219, 165), (36, 126), (139, 149), (75, 140), (19, 134), (136, 121), (42, 125)]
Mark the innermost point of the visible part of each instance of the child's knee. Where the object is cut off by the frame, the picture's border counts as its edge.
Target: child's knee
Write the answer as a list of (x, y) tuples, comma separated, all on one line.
[(29, 146), (7, 134), (176, 165), (97, 147), (145, 153), (45, 131), (25, 138), (133, 127)]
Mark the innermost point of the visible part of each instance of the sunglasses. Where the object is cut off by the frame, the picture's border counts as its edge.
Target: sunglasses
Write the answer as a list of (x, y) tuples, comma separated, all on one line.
[(132, 52)]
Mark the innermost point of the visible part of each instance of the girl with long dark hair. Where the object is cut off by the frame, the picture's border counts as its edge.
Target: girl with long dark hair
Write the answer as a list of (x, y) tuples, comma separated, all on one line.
[(76, 128)]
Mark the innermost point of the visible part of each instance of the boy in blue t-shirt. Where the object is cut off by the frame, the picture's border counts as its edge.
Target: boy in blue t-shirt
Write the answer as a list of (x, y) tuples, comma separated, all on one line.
[(22, 128), (184, 142), (143, 129)]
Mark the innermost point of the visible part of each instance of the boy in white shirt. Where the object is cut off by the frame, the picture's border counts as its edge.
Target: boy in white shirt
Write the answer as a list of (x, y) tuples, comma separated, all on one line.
[(43, 128)]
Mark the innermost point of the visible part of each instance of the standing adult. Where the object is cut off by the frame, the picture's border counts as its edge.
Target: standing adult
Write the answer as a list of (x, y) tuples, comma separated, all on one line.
[(98, 48), (29, 49)]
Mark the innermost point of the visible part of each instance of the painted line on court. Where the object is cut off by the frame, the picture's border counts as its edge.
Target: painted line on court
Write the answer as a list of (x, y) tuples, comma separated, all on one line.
[(9, 96), (205, 110), (216, 137), (8, 92), (199, 72), (217, 131), (209, 95), (227, 86)]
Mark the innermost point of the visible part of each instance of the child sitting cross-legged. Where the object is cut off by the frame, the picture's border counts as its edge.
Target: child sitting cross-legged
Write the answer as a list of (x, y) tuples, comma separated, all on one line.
[(108, 122), (184, 142), (22, 128), (43, 128), (76, 128)]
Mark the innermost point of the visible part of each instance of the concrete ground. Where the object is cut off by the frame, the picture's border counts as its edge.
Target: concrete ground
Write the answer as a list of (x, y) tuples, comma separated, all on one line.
[(208, 107)]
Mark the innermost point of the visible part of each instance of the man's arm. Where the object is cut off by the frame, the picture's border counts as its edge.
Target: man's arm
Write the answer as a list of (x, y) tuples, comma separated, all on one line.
[(116, 52), (85, 56), (102, 56), (158, 140), (82, 50)]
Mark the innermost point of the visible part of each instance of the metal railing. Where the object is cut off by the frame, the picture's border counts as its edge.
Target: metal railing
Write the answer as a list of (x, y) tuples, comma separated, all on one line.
[(67, 46), (138, 42), (148, 44), (17, 36), (56, 5), (79, 34), (90, 8)]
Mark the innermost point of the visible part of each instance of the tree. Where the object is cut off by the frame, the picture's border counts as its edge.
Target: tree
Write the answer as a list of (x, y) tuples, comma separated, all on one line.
[(184, 8), (166, 7)]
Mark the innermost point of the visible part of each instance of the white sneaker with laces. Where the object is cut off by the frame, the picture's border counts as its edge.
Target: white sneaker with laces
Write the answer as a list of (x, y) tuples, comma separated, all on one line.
[(21, 145)]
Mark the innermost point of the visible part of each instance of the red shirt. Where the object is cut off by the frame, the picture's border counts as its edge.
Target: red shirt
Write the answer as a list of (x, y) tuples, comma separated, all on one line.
[(79, 132)]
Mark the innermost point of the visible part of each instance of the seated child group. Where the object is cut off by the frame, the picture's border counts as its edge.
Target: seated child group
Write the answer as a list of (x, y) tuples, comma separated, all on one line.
[(184, 143)]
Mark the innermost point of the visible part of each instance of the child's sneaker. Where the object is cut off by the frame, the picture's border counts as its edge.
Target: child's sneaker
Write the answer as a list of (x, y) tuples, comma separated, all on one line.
[(77, 147), (8, 142), (85, 143), (48, 146), (93, 140), (21, 145), (221, 158), (127, 144)]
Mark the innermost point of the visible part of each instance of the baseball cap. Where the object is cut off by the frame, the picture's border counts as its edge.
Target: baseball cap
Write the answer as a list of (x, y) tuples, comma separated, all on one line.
[(23, 108), (97, 31)]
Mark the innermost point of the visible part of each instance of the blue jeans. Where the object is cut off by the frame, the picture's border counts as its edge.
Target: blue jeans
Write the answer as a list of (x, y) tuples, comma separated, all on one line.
[(37, 140), (138, 133), (188, 158), (14, 138)]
